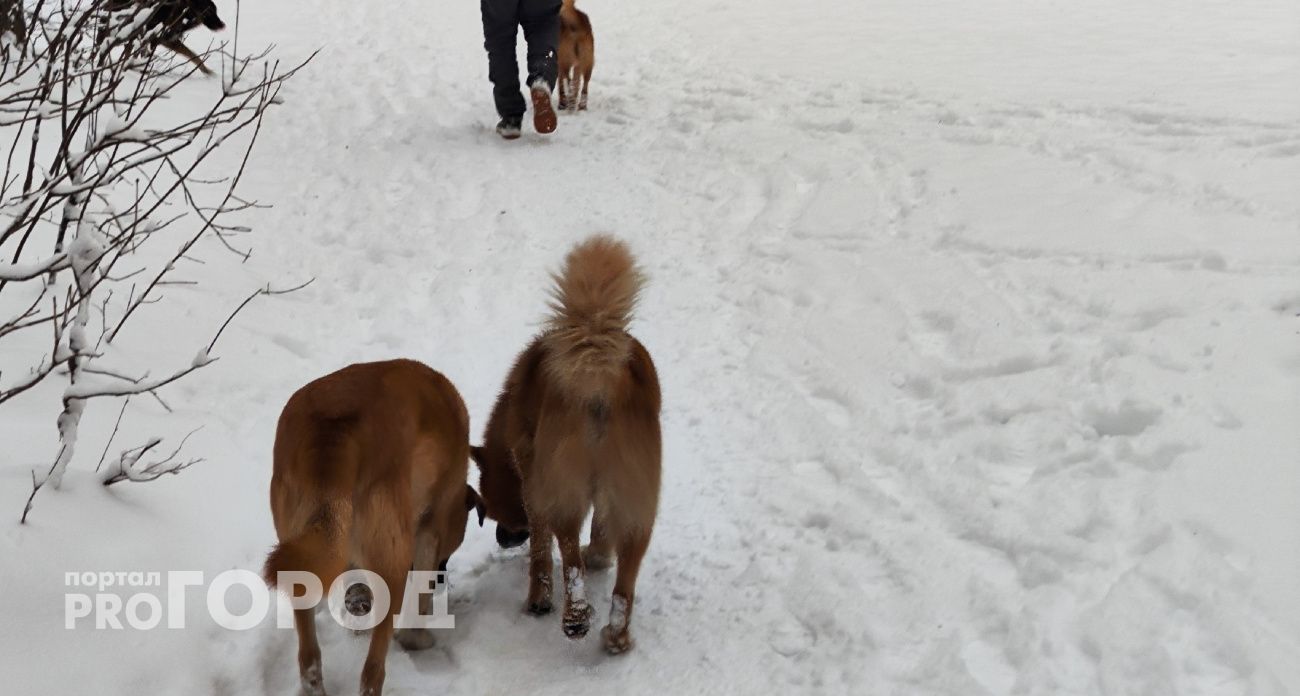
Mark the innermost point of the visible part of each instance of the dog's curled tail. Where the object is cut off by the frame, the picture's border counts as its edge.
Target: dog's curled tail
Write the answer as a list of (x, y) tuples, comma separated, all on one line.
[(320, 549), (586, 339)]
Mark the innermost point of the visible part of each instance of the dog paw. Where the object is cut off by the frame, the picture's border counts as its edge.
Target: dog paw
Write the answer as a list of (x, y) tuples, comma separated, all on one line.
[(541, 607), (313, 683), (577, 620), (617, 642), (413, 639), (358, 600), (595, 560)]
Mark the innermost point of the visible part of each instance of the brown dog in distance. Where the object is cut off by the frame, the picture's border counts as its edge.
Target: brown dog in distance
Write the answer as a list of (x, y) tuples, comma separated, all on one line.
[(576, 54)]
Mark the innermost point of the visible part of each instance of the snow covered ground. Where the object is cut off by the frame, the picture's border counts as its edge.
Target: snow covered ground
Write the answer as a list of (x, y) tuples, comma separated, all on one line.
[(978, 326)]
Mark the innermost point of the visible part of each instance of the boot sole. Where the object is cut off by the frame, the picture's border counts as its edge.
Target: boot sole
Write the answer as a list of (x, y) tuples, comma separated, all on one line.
[(544, 119)]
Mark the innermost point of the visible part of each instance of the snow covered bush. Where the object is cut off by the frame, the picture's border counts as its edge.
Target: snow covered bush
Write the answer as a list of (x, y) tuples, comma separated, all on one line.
[(104, 194)]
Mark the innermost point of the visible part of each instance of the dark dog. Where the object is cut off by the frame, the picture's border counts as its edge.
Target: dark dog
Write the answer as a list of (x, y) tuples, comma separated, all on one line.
[(169, 20), (577, 427)]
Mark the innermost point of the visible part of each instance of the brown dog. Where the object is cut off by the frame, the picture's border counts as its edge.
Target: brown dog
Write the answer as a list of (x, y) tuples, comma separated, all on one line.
[(576, 54), (370, 469), (577, 425)]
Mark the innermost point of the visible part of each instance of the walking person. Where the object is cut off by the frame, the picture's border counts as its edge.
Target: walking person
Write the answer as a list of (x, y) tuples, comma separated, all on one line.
[(540, 20)]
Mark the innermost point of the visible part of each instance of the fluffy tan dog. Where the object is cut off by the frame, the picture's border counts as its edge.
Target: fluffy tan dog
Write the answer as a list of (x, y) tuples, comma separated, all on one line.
[(577, 427)]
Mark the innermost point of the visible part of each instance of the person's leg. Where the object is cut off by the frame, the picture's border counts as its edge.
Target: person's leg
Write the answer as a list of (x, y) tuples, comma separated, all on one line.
[(541, 22), (500, 27)]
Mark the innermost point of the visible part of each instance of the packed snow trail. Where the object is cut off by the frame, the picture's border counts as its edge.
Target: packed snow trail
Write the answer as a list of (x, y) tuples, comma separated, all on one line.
[(969, 388)]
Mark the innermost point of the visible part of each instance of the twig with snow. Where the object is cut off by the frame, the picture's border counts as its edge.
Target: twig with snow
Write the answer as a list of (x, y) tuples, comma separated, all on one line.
[(93, 179), (128, 467)]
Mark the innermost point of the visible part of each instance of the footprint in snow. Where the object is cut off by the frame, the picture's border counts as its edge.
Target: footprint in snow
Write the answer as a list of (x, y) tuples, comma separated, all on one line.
[(833, 407), (1126, 419), (296, 346), (791, 638)]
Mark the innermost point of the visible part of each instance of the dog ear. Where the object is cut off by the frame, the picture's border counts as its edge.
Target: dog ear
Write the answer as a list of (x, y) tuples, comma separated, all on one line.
[(476, 453), (474, 501)]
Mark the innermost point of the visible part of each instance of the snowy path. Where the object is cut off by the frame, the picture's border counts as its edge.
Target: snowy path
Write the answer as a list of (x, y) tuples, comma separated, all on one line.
[(964, 394)]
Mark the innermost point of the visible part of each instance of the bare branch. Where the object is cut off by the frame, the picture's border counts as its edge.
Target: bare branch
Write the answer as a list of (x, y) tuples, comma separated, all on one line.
[(127, 467), (91, 180), (111, 436), (264, 291)]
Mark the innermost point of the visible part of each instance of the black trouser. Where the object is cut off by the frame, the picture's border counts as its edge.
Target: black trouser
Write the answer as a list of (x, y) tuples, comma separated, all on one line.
[(501, 20)]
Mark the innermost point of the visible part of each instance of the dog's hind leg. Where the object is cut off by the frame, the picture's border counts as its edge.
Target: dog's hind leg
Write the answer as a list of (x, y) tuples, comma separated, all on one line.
[(586, 82), (374, 671), (309, 669), (618, 638), (566, 87), (382, 541), (577, 611), (588, 63), (540, 567), (424, 558), (597, 554)]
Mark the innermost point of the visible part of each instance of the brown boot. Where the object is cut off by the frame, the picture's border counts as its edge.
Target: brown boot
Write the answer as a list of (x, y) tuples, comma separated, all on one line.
[(543, 115)]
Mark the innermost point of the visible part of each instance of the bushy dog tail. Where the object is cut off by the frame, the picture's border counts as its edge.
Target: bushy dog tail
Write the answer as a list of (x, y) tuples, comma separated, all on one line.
[(320, 549), (586, 340)]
